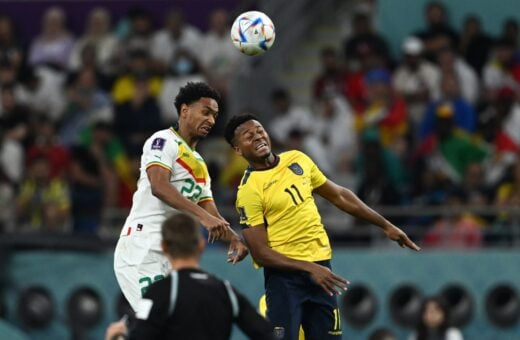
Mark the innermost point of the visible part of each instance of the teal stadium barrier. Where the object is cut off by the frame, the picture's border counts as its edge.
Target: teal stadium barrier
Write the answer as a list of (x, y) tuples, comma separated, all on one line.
[(379, 271)]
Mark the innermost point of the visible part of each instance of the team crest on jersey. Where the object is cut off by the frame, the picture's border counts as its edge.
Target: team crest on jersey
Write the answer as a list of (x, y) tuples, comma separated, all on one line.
[(158, 143), (296, 168)]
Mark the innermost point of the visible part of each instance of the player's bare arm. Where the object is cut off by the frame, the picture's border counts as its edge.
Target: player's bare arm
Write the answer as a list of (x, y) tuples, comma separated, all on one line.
[(256, 239), (237, 249), (347, 201), (162, 189)]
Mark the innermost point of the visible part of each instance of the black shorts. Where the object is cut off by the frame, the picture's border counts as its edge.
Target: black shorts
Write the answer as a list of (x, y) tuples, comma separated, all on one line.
[(294, 299)]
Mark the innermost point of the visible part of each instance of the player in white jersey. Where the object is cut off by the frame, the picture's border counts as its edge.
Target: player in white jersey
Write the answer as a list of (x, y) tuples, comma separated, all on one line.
[(173, 177)]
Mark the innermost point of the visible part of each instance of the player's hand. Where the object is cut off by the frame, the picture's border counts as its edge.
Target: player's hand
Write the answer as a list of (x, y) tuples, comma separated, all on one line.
[(330, 282), (217, 227), (399, 236), (116, 330), (237, 250)]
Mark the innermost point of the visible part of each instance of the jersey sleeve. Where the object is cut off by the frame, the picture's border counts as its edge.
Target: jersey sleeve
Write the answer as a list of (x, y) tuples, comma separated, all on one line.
[(249, 207), (159, 150)]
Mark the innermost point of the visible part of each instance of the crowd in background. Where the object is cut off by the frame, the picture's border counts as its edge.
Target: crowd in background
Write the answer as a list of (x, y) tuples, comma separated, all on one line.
[(437, 125)]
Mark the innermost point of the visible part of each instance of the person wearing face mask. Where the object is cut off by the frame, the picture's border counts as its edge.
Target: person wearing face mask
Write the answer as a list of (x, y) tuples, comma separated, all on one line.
[(434, 322), (184, 68)]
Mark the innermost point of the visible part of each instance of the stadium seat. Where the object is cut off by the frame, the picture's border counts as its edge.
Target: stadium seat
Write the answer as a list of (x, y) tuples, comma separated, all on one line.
[(35, 307), (405, 304), (503, 305), (359, 306), (460, 303)]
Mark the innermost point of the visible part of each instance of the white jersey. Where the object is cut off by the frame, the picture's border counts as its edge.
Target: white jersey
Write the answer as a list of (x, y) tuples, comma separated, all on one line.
[(189, 175)]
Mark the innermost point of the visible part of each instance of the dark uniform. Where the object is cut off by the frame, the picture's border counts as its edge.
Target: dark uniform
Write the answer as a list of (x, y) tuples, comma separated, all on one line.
[(192, 304)]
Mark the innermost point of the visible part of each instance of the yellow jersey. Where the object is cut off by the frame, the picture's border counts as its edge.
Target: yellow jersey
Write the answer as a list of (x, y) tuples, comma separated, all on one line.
[(281, 198)]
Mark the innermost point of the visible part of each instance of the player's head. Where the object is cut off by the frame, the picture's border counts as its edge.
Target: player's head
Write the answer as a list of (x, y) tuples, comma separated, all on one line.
[(181, 237), (197, 105), (248, 138)]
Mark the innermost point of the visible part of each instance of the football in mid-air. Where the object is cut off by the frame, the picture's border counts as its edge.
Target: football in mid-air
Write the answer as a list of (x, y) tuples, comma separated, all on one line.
[(253, 33)]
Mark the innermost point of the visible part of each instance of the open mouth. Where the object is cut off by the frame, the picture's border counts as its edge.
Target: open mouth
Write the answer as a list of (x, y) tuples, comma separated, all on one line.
[(206, 129), (261, 146)]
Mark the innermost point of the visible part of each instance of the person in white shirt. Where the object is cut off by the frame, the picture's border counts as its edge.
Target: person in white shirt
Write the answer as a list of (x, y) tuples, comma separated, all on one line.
[(97, 34), (288, 117), (175, 35), (450, 62), (416, 79), (174, 177), (434, 322)]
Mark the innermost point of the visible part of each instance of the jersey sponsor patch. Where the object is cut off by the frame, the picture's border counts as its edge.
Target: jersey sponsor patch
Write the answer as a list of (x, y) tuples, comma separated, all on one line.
[(242, 214), (158, 143), (296, 168), (144, 307)]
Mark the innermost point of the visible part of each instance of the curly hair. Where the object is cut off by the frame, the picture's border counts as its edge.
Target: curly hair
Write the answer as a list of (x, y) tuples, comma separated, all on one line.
[(233, 123), (191, 92)]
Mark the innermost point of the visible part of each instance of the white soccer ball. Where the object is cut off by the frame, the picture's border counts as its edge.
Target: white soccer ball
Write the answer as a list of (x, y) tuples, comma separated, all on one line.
[(253, 33)]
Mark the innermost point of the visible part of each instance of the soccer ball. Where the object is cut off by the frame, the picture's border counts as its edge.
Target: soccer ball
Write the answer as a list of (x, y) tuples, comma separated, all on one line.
[(252, 33)]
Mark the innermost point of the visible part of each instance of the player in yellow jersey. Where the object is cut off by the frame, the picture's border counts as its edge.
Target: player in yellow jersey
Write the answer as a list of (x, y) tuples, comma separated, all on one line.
[(284, 233)]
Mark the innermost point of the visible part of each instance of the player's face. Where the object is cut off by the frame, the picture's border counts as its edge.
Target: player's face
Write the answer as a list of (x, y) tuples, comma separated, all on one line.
[(252, 141), (200, 116)]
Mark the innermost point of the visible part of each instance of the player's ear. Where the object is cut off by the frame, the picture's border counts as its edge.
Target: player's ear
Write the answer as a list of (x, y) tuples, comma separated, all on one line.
[(202, 245), (237, 150), (184, 110)]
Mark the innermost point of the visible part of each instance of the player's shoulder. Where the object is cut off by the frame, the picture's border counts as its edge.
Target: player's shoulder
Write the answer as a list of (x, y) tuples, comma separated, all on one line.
[(245, 180), (294, 155)]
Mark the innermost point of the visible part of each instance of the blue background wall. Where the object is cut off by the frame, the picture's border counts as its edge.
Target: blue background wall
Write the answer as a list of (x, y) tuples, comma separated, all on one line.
[(382, 271)]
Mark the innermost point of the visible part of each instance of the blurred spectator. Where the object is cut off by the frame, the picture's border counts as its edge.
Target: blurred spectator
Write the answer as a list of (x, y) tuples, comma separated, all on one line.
[(433, 323), (87, 188), (498, 124), (116, 167), (473, 186), (11, 149), (175, 35), (11, 51), (385, 111), (451, 104), (287, 117), (508, 194), (10, 108), (54, 44), (46, 145), (103, 43), (416, 79), (448, 151), (139, 34), (449, 62), (220, 57), (86, 104), (8, 72), (438, 33), (475, 45), (502, 70), (42, 90), (138, 68), (331, 80), (184, 68), (510, 31), (333, 127), (43, 202), (381, 176), (364, 40), (135, 120)]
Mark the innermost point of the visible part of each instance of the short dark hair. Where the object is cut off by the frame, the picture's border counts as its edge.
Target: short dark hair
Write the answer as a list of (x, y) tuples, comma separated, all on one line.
[(181, 235), (233, 123), (191, 92)]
